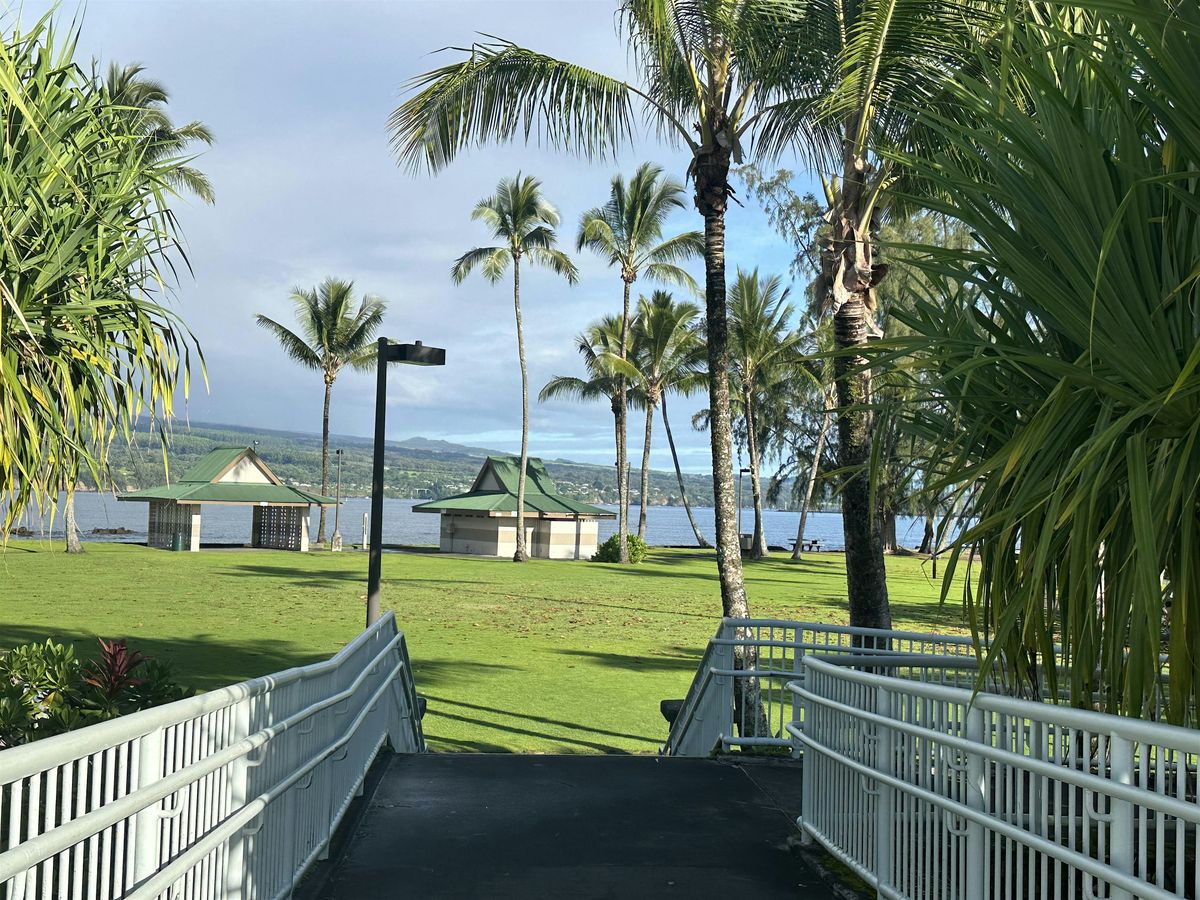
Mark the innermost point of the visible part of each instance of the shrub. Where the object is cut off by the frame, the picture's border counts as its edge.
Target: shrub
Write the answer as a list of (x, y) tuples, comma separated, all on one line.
[(45, 690), (610, 550)]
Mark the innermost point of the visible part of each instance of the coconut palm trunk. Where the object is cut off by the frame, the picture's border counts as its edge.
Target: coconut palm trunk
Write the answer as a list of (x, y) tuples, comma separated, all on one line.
[(622, 411), (701, 540), (520, 554), (324, 457), (852, 325), (645, 484), (74, 545), (818, 451), (758, 546)]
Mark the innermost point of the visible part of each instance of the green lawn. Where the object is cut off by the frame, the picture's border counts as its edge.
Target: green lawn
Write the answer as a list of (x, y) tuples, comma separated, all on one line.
[(548, 656)]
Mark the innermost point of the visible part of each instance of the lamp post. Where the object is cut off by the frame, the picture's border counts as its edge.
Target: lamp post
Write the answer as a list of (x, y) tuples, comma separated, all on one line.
[(335, 543), (414, 355), (741, 472)]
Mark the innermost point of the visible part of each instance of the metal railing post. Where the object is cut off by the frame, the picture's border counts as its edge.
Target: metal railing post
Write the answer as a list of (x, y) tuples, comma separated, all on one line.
[(885, 763), (147, 826), (234, 887), (720, 726), (976, 797), (1121, 813)]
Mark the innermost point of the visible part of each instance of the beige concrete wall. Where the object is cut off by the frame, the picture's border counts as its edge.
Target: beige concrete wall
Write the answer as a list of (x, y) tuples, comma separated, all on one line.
[(484, 535), (567, 539), (465, 533)]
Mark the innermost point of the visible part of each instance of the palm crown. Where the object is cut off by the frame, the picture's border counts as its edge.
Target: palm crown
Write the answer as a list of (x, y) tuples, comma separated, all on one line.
[(595, 345), (520, 217), (627, 230), (333, 334)]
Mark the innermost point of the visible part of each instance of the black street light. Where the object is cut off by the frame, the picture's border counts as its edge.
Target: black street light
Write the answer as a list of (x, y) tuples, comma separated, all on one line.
[(414, 355), (741, 472)]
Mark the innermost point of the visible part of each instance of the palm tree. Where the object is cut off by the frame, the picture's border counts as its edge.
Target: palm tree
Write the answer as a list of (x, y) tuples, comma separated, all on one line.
[(599, 342), (524, 221), (667, 355), (721, 77), (627, 232), (333, 335), (763, 353), (144, 100)]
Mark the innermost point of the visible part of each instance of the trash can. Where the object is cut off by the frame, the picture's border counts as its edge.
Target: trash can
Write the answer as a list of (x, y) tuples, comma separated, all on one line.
[(177, 542)]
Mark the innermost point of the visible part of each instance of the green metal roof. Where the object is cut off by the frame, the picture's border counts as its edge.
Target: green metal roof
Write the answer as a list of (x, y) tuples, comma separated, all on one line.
[(197, 484), (541, 493)]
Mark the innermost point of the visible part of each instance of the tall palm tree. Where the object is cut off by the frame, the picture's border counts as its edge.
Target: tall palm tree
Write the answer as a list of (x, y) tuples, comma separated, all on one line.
[(723, 78), (628, 232), (524, 222), (667, 355), (142, 102), (333, 335), (763, 354)]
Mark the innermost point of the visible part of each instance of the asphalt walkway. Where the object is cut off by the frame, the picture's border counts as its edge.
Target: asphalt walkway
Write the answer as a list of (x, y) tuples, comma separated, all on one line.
[(585, 827)]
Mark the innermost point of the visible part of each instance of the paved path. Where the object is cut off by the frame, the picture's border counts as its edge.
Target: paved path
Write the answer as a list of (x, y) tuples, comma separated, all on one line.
[(586, 827)]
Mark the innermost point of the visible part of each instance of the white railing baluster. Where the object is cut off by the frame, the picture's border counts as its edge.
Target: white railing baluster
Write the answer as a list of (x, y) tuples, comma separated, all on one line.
[(885, 759)]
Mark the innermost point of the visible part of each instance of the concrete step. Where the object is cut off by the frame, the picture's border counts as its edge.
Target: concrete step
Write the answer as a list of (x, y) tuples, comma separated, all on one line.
[(587, 827)]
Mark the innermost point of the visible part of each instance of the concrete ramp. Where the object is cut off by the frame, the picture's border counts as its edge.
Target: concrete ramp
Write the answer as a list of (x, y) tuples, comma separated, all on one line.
[(587, 827)]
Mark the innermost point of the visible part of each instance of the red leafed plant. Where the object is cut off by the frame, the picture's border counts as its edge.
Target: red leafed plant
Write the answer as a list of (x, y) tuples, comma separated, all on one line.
[(112, 673)]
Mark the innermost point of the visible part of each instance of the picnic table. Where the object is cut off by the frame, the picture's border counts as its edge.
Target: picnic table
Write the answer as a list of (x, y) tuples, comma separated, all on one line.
[(808, 545)]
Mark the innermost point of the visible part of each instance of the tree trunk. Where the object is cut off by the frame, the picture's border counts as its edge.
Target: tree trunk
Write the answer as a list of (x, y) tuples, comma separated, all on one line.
[(758, 545), (818, 451), (74, 545), (712, 197), (890, 543), (622, 411), (324, 460), (927, 537), (521, 555), (701, 540), (645, 485)]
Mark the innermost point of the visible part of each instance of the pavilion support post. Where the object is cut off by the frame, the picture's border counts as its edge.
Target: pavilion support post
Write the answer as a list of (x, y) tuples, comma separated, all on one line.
[(304, 532), (195, 530)]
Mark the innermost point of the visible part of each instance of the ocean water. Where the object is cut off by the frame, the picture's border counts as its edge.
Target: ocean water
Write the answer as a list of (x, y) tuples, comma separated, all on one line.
[(665, 525)]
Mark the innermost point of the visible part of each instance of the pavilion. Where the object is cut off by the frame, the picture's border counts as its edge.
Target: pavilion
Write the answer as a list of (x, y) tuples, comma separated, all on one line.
[(483, 521), (229, 476)]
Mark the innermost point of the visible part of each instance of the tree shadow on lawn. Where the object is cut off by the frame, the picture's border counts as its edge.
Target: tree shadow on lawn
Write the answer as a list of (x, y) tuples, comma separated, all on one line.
[(437, 708), (574, 601), (687, 660), (303, 577), (202, 661)]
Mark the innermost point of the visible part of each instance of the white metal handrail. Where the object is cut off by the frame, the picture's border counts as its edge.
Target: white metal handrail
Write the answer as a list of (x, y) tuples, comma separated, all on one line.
[(232, 794), (933, 791), (738, 696)]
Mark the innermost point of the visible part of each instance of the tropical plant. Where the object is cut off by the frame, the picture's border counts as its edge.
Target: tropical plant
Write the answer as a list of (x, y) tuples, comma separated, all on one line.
[(610, 550), (521, 218), (667, 355), (90, 243), (628, 232), (1061, 353), (763, 353), (334, 335), (724, 78)]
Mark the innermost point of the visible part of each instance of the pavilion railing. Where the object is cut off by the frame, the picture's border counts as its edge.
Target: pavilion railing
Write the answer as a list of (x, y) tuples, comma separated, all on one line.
[(230, 795)]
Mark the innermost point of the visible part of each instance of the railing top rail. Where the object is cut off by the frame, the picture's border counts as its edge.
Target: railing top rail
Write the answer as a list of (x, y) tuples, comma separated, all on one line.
[(1140, 730), (19, 762), (897, 660), (849, 629)]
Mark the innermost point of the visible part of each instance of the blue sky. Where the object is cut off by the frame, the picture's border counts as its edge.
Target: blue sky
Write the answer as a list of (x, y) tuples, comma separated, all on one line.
[(297, 94)]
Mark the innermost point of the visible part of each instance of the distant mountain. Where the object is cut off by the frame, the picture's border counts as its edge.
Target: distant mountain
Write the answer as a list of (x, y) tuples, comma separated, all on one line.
[(414, 467)]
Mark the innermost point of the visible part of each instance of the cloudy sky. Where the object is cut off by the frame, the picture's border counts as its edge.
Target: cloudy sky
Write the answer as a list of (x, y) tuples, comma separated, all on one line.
[(297, 94)]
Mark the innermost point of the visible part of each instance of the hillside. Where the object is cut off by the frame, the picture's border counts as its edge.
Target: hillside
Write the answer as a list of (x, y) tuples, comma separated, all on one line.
[(415, 467)]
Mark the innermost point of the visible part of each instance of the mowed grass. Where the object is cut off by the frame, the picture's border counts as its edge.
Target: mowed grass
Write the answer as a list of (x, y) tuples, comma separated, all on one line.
[(542, 657)]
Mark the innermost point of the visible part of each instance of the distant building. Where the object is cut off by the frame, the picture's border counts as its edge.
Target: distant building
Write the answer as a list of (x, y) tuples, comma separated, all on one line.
[(483, 521), (231, 476)]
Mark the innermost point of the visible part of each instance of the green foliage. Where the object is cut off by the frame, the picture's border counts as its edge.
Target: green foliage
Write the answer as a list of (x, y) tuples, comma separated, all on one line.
[(610, 550), (1061, 353), (333, 334), (46, 690), (88, 248)]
